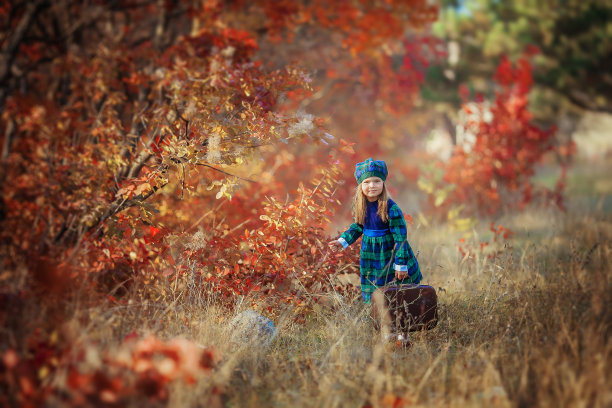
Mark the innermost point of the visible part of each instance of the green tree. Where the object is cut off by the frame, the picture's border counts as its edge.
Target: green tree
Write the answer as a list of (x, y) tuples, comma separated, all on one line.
[(573, 38)]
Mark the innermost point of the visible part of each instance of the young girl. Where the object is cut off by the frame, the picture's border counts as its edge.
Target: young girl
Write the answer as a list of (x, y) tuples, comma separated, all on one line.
[(385, 252)]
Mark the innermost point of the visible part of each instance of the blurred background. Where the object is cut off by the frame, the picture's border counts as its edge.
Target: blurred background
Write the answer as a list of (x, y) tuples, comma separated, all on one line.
[(478, 107), (462, 86)]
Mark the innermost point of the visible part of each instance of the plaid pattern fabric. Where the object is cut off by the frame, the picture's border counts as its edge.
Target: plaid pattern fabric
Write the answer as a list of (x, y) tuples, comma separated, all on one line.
[(370, 168), (378, 254)]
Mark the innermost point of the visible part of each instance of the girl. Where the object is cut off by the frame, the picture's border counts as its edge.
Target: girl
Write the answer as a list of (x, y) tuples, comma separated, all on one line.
[(382, 225)]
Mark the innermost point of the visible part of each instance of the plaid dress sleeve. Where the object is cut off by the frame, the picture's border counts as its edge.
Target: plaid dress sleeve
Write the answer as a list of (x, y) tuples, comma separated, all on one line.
[(404, 257), (351, 235)]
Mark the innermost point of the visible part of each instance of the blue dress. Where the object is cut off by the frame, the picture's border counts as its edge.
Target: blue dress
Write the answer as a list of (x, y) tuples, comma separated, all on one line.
[(384, 249)]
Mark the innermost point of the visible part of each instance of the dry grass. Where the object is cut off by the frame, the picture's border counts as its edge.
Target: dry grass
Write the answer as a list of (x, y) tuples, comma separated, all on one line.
[(529, 327)]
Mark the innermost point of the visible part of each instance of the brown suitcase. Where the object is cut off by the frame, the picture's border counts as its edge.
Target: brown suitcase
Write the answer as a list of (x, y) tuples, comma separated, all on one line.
[(411, 307)]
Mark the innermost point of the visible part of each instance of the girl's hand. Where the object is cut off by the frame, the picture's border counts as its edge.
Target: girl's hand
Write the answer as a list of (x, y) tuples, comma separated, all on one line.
[(399, 275), (335, 245)]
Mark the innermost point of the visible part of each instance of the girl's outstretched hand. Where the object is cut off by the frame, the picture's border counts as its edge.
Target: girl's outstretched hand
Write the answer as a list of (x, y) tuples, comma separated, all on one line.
[(335, 245), (399, 275)]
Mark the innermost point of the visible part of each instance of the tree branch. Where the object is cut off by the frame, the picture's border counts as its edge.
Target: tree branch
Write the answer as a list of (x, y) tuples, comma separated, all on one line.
[(161, 25), (139, 163), (10, 47), (224, 172), (120, 204), (9, 50), (8, 139), (583, 100)]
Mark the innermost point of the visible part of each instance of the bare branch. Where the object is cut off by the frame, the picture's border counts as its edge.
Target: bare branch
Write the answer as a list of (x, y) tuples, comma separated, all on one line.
[(161, 24), (139, 163), (9, 50), (8, 138), (585, 101), (120, 204), (225, 172), (10, 47)]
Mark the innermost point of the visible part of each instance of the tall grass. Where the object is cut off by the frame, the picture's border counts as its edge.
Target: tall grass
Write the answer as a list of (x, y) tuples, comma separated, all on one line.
[(529, 326)]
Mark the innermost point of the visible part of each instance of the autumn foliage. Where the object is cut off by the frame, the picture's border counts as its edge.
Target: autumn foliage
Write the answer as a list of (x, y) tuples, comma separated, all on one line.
[(140, 369), (495, 172), (282, 252)]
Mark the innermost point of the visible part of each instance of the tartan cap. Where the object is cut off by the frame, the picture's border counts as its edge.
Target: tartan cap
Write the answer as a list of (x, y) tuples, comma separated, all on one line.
[(370, 168)]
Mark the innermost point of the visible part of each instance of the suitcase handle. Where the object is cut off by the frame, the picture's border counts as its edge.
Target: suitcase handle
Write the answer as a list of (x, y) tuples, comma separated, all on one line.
[(395, 282)]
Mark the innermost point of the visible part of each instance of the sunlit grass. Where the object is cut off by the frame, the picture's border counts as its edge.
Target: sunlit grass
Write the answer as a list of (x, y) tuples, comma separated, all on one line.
[(524, 321), (528, 326)]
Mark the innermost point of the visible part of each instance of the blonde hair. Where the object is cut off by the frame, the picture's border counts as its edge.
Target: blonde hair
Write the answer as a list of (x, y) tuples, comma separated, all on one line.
[(360, 204)]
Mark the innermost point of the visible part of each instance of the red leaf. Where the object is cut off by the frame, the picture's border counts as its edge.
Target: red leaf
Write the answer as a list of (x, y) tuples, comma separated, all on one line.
[(154, 231), (131, 336), (10, 359)]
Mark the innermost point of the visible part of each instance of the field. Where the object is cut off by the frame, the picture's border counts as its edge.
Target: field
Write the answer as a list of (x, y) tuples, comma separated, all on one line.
[(523, 322)]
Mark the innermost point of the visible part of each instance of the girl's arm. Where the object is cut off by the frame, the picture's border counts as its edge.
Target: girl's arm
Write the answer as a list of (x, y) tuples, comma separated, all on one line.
[(405, 261), (351, 235)]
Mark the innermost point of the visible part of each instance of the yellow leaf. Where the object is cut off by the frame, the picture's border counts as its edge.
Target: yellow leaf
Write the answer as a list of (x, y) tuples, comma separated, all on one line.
[(463, 224), (142, 188), (454, 212), (439, 199), (43, 372), (422, 219), (425, 185)]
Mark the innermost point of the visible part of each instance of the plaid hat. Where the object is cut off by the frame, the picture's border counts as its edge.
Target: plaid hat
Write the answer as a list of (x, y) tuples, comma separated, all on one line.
[(370, 168)]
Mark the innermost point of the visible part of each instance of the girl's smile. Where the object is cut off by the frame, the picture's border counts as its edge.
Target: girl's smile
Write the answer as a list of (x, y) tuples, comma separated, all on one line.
[(372, 187)]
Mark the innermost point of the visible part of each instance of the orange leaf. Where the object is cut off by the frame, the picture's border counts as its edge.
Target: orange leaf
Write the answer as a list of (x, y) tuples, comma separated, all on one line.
[(154, 231)]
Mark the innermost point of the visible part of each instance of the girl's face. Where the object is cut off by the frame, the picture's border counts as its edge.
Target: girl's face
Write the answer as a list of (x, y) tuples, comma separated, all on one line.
[(372, 187)]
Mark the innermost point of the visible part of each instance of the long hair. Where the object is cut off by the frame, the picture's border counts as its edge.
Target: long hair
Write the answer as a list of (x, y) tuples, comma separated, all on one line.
[(360, 203)]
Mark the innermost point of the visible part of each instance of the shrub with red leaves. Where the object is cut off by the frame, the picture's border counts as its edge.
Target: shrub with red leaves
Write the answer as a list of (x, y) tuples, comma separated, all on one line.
[(495, 173)]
